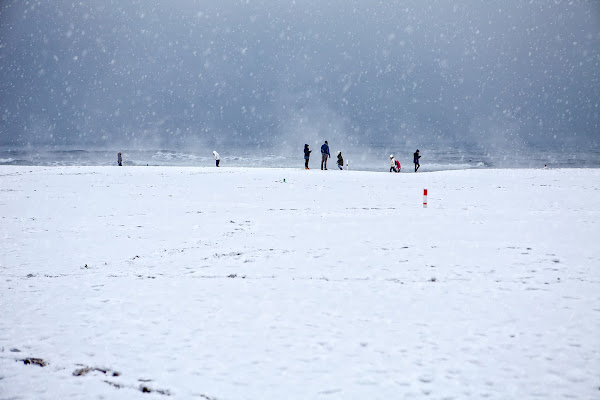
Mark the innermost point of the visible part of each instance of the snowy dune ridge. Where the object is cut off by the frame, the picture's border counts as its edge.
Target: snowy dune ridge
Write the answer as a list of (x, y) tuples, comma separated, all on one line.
[(231, 283)]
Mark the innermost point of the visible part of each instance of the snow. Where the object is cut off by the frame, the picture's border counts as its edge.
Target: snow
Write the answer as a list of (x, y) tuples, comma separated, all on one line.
[(229, 283)]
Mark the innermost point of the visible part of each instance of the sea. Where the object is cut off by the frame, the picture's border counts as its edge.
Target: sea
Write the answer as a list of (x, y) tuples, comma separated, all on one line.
[(368, 158)]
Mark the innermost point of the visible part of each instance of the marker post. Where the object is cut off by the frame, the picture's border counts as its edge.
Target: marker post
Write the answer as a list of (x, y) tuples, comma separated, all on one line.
[(424, 198)]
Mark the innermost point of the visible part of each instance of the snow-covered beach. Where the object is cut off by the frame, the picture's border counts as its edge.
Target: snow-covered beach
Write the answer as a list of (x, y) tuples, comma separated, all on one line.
[(236, 283)]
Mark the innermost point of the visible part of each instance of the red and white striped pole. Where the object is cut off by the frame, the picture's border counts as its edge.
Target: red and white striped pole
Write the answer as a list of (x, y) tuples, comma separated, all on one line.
[(424, 198)]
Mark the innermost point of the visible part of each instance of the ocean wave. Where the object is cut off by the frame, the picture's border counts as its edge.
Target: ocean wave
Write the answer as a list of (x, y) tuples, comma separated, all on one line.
[(364, 160)]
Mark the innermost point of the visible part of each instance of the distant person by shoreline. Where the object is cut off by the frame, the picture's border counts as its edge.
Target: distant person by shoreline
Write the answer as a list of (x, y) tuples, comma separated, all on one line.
[(393, 166), (416, 157), (306, 156), (119, 160), (340, 160), (217, 158), (324, 155)]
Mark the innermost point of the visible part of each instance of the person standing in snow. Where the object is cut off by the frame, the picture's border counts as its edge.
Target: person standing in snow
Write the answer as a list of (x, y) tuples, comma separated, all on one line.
[(119, 159), (217, 158), (340, 160), (324, 155), (416, 157), (393, 167), (306, 156)]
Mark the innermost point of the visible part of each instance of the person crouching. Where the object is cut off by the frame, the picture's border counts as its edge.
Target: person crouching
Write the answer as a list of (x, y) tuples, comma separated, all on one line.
[(340, 160)]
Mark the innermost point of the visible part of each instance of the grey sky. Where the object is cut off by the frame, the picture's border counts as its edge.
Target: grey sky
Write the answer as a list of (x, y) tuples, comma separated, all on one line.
[(173, 74)]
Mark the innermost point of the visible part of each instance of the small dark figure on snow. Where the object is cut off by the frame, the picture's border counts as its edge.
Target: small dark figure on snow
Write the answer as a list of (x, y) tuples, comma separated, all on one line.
[(416, 160), (217, 158), (340, 161), (119, 159), (306, 156), (324, 155)]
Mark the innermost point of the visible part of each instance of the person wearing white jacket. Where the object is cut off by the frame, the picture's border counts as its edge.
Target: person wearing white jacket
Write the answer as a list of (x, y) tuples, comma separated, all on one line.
[(393, 164), (217, 158)]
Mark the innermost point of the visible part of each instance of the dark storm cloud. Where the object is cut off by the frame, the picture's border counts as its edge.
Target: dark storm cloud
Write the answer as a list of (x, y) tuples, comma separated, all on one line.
[(183, 73)]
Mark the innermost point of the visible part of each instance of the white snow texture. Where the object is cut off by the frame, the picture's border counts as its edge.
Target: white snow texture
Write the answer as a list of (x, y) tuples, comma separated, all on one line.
[(230, 283)]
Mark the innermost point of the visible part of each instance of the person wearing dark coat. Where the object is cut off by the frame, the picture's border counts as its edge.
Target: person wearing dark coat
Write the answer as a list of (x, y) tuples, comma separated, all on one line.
[(120, 159), (340, 160), (324, 154), (306, 156), (416, 160)]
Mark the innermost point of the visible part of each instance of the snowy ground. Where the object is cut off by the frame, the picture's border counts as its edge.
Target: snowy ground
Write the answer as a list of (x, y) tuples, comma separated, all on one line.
[(231, 284)]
